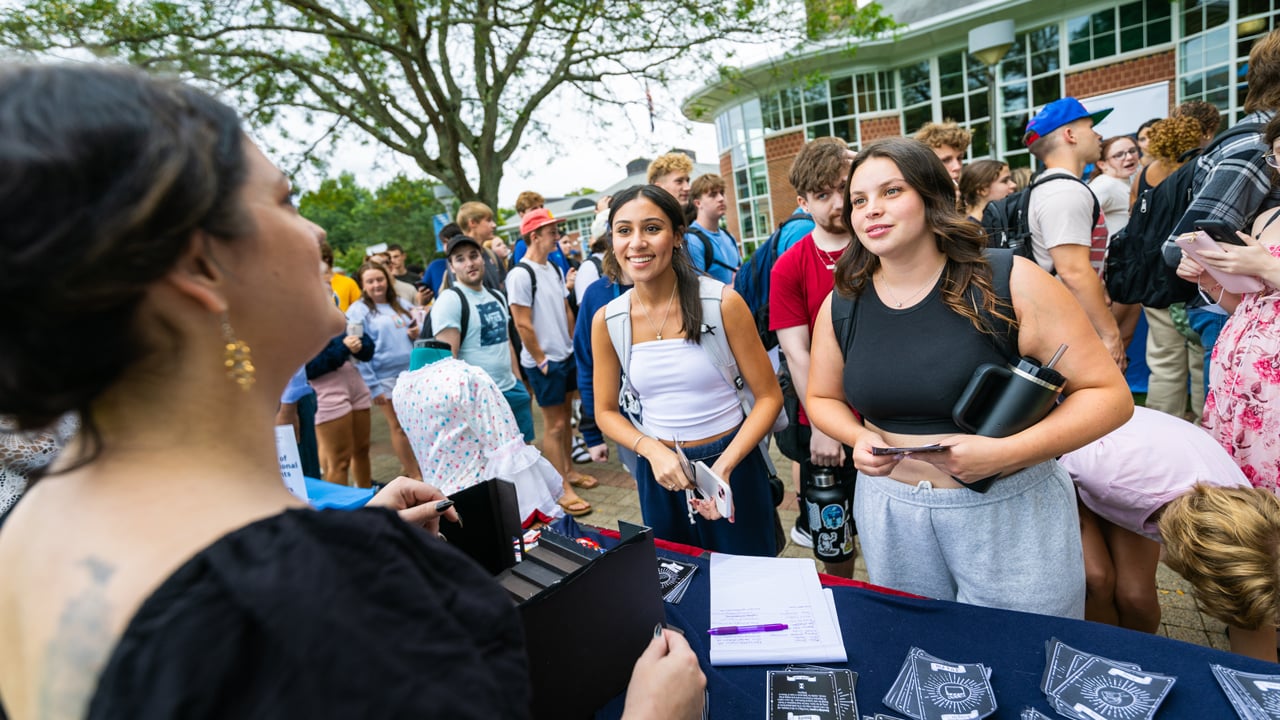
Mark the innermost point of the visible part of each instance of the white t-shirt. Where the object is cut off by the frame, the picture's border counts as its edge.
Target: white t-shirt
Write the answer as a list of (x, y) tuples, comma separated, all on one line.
[(1113, 197), (487, 344), (587, 274), (1059, 214), (550, 317)]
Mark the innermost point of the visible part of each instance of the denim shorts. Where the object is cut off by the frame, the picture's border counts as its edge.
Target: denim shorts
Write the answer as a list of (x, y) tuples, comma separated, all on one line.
[(560, 380)]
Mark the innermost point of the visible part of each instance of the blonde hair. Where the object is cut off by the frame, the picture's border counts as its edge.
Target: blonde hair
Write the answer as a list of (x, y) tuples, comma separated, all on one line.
[(935, 135), (672, 162), (1021, 177), (528, 200), (1226, 543), (472, 212)]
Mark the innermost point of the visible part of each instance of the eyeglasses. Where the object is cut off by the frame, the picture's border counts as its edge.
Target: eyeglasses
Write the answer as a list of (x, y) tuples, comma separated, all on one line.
[(1271, 160), (1124, 153)]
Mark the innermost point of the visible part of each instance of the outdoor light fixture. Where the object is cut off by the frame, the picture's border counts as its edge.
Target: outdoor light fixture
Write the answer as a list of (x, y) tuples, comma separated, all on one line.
[(989, 43)]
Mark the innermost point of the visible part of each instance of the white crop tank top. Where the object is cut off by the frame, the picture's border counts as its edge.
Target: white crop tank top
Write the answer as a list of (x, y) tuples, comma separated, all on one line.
[(682, 395)]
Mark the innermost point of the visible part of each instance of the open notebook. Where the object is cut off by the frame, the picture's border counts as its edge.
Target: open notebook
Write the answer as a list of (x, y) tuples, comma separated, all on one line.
[(760, 591)]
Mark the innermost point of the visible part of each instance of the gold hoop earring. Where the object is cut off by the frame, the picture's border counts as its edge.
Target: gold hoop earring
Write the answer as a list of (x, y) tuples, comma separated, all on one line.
[(236, 357)]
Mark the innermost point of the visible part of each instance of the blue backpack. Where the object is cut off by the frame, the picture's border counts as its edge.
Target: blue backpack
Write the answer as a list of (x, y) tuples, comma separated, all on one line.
[(752, 280)]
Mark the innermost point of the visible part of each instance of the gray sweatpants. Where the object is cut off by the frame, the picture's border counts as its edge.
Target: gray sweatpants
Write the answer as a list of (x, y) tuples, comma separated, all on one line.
[(1015, 547)]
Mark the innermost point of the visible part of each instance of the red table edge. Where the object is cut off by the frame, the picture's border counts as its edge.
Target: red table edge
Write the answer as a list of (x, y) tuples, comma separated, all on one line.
[(825, 579)]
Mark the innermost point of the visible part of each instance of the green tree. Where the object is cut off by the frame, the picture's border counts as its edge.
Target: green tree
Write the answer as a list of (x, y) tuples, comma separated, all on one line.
[(341, 207), (355, 217), (452, 85)]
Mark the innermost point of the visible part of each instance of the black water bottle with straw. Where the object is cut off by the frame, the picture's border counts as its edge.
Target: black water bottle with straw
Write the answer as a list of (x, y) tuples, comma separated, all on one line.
[(830, 513), (1002, 400)]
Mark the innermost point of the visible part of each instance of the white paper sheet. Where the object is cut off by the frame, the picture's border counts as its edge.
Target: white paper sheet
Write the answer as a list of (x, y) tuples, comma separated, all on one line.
[(759, 591), (290, 462)]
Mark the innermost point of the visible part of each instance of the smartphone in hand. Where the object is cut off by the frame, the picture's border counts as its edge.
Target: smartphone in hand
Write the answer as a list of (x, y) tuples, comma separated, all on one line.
[(907, 450), (1194, 243), (1219, 232)]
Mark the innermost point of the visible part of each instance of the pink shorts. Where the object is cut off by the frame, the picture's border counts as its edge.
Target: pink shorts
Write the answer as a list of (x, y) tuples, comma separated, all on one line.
[(339, 393)]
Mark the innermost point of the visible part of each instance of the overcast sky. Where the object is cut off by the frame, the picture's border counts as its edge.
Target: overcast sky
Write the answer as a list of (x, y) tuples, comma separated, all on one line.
[(589, 147)]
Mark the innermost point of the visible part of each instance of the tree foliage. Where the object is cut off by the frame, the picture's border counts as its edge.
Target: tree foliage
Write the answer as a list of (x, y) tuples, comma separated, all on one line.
[(453, 85), (354, 217)]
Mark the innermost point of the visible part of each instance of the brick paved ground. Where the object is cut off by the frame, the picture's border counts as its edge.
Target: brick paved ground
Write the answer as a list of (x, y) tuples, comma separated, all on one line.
[(615, 499)]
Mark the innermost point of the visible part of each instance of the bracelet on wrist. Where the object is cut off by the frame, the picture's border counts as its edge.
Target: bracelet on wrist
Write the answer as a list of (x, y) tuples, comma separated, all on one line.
[(636, 444)]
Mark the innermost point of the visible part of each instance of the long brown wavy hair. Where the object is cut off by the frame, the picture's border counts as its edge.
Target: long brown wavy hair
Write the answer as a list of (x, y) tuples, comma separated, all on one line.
[(966, 278)]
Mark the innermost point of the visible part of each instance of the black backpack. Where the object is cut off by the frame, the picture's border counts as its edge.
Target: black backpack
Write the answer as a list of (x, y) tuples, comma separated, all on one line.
[(1136, 271), (1006, 220), (752, 280), (709, 252)]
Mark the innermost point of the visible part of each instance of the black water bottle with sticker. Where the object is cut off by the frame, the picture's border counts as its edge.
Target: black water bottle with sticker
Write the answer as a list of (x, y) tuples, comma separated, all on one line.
[(829, 509)]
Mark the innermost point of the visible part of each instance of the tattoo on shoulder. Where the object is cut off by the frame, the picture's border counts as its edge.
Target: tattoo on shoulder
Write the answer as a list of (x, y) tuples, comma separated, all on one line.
[(80, 646)]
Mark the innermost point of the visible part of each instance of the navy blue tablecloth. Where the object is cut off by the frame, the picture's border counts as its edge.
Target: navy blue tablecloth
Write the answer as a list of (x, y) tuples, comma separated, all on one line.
[(879, 629)]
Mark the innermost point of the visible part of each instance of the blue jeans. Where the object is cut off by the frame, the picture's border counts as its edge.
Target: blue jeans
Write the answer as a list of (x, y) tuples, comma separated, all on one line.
[(751, 532), (1208, 325), (518, 398)]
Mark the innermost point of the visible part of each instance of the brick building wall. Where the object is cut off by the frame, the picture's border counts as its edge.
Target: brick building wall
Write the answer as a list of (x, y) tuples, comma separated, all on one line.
[(1123, 75), (882, 127), (779, 152), (730, 195)]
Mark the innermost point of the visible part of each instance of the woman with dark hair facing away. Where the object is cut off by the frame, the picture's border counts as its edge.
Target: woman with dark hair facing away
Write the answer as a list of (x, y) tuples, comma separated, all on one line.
[(176, 577), (984, 181), (393, 328), (662, 325), (926, 314)]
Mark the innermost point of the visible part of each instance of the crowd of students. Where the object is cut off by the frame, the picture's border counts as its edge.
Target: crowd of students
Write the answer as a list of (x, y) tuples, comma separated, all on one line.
[(885, 298)]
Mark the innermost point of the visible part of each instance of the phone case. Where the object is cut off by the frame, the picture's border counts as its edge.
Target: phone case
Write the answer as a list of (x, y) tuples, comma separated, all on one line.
[(1195, 242)]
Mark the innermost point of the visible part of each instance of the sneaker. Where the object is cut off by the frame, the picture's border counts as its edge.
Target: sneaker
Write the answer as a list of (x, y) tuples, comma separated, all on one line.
[(800, 534)]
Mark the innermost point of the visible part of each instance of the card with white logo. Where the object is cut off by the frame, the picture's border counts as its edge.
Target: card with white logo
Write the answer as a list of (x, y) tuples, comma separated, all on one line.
[(953, 691), (1102, 690), (1253, 695), (807, 694)]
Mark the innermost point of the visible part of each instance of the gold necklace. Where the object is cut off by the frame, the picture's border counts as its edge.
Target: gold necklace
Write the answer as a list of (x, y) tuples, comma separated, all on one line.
[(667, 316), (900, 303)]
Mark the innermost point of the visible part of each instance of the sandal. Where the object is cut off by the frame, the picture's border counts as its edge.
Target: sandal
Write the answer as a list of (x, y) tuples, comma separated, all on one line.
[(581, 455), (583, 482), (576, 507)]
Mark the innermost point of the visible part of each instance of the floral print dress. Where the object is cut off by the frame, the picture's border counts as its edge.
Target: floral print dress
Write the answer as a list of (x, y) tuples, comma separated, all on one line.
[(1242, 407), (463, 433)]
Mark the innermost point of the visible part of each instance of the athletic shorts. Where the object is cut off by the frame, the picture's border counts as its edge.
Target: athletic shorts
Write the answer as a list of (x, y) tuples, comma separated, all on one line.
[(339, 393), (552, 388)]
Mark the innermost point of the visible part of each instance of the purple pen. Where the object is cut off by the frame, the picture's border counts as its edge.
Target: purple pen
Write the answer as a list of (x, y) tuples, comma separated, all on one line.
[(743, 629)]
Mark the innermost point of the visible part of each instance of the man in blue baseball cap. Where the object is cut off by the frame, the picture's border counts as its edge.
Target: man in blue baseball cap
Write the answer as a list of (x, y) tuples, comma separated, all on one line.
[(1068, 230)]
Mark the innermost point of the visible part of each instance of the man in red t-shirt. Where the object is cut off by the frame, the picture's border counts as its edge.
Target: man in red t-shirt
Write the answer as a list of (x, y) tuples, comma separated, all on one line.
[(802, 278)]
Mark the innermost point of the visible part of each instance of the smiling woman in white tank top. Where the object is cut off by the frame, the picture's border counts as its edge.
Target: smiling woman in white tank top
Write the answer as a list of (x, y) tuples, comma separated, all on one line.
[(682, 395)]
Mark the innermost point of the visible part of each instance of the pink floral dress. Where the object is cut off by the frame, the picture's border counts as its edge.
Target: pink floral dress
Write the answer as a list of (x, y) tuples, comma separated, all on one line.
[(1242, 408)]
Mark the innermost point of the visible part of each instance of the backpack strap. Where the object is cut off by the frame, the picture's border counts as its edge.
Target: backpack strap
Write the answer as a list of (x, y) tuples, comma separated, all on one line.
[(617, 319), (709, 251), (714, 340), (464, 316), (533, 282)]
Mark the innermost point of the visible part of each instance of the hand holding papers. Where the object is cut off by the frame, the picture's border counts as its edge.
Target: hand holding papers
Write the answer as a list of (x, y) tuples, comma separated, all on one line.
[(763, 591)]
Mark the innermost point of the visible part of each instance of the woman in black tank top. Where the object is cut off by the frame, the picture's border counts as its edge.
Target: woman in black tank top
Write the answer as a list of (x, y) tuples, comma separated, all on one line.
[(926, 301)]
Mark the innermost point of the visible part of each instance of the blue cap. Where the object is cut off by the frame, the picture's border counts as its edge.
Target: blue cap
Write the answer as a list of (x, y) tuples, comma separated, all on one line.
[(1055, 115)]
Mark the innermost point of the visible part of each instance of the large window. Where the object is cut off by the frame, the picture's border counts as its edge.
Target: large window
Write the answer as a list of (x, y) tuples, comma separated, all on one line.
[(830, 107), (740, 130), (1030, 77), (1213, 56), (1130, 27), (955, 87)]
